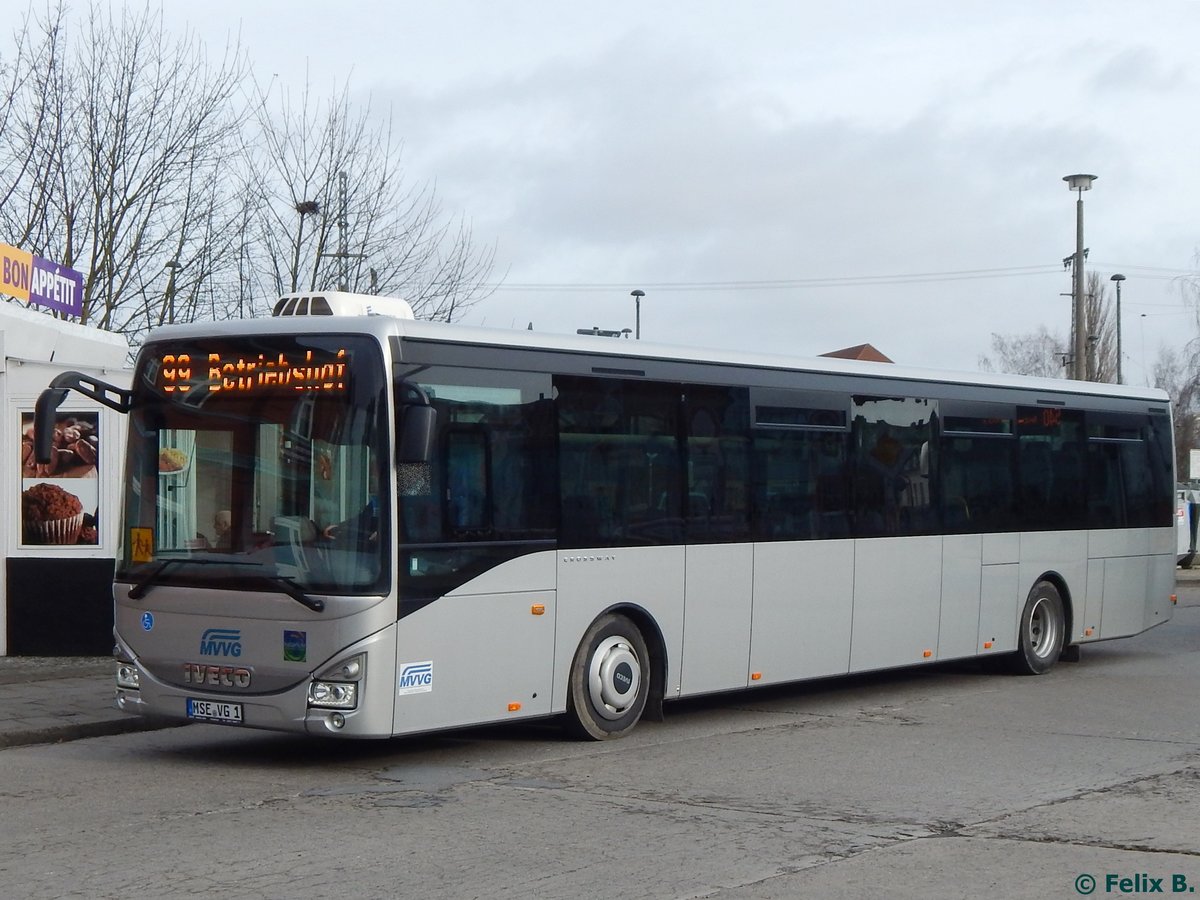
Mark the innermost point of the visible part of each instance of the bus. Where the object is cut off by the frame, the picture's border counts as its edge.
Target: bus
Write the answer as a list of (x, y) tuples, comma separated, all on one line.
[(341, 521)]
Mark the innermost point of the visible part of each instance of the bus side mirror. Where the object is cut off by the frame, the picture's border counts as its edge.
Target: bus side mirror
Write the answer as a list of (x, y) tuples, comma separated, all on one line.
[(418, 428), (47, 405), (51, 399)]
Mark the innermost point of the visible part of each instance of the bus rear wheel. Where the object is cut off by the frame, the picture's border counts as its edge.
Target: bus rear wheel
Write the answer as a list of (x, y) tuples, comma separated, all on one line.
[(610, 679), (1042, 631)]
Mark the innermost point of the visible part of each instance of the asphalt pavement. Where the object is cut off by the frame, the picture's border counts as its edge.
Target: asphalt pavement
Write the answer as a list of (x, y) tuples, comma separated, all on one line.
[(52, 699)]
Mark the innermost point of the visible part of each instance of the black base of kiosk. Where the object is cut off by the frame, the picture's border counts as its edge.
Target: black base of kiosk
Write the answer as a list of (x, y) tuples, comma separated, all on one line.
[(60, 607)]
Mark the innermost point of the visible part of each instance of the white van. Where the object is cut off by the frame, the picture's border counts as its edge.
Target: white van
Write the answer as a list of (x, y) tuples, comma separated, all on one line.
[(1185, 550)]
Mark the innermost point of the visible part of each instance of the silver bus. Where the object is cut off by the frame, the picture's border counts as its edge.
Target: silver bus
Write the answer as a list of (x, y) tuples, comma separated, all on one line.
[(362, 525)]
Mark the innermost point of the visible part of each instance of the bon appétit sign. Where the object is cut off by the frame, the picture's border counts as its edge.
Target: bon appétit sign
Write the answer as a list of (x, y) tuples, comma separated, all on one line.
[(39, 281)]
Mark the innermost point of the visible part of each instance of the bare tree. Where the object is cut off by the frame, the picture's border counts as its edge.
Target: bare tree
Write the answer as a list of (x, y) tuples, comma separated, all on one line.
[(129, 155), (1101, 338), (332, 209), (1040, 354), (124, 135), (1044, 354), (26, 107), (1178, 373), (1175, 371)]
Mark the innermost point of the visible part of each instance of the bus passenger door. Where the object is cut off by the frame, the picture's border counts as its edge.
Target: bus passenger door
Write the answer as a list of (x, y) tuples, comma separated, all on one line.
[(898, 554), (478, 603), (719, 559)]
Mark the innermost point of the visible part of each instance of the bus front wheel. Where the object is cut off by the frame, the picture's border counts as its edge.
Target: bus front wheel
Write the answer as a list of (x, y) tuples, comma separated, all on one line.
[(1042, 630), (610, 678)]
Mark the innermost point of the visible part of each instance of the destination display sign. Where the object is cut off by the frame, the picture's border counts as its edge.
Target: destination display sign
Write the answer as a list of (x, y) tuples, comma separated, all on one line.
[(196, 369)]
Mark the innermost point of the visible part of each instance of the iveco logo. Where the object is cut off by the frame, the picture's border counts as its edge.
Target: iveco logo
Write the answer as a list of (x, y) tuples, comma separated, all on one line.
[(221, 642), (217, 676)]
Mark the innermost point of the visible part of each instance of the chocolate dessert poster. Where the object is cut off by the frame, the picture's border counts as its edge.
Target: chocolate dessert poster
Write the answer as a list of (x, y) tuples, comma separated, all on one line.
[(60, 498)]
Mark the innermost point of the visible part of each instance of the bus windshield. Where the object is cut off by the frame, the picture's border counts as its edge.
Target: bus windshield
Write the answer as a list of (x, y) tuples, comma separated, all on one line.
[(256, 463)]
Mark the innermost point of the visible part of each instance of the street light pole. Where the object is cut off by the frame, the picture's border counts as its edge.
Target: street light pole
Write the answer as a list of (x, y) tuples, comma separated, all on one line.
[(1118, 278), (305, 208), (172, 266), (1145, 370), (637, 296), (1079, 184)]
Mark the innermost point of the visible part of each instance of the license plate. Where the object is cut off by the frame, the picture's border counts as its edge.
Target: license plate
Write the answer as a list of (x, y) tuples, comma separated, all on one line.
[(214, 711)]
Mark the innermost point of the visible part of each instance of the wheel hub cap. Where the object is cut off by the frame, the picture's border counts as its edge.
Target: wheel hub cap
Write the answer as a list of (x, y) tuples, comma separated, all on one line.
[(614, 677), (1043, 629)]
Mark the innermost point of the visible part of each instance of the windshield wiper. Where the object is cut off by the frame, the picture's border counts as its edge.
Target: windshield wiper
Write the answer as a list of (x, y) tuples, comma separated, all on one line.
[(293, 590), (140, 588), (147, 581), (287, 585)]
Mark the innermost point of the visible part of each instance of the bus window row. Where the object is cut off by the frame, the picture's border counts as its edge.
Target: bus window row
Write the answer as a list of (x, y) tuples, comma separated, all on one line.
[(601, 462)]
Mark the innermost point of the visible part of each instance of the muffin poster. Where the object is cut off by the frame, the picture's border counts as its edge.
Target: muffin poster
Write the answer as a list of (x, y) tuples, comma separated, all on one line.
[(60, 499)]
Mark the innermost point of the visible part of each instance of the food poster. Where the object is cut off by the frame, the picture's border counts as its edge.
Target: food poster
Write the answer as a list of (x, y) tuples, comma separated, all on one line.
[(60, 499)]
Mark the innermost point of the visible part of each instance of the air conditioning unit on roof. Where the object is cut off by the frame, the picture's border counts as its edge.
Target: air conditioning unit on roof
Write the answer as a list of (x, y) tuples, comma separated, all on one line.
[(341, 303)]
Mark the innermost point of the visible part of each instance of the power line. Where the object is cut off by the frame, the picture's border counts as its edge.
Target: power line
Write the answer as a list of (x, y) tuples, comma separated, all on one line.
[(1162, 269), (1145, 272), (787, 283)]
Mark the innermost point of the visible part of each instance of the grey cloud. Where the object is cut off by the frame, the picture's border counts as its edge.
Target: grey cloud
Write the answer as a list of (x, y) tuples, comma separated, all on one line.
[(1140, 69), (653, 162)]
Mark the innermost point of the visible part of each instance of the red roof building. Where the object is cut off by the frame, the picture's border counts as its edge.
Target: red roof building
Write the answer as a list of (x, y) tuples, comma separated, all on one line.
[(861, 351)]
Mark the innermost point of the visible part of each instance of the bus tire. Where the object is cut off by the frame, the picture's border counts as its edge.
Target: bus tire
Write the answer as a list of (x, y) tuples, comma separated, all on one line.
[(1042, 631), (609, 681)]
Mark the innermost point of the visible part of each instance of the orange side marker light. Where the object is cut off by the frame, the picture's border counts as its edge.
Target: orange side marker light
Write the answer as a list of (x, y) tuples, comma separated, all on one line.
[(1174, 599), (987, 645), (514, 707), (1087, 632), (538, 609), (927, 654), (756, 676)]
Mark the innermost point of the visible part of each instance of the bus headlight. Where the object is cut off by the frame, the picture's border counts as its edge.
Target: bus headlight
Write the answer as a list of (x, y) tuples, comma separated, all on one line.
[(337, 686), (333, 695), (128, 677)]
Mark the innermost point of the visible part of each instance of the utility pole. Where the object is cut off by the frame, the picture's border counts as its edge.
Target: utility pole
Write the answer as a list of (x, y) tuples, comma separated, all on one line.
[(343, 226), (1079, 184), (343, 255)]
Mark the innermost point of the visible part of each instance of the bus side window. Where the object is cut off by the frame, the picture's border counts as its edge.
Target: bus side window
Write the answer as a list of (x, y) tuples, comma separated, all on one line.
[(1052, 464), (800, 453), (892, 493), (620, 458), (718, 464), (1122, 482), (468, 491), (977, 457)]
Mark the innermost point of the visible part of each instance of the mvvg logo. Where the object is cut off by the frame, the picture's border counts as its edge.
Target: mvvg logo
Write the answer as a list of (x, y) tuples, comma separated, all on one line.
[(416, 678), (221, 642)]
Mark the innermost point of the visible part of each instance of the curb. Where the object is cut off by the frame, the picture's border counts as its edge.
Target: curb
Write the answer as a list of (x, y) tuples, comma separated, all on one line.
[(61, 734)]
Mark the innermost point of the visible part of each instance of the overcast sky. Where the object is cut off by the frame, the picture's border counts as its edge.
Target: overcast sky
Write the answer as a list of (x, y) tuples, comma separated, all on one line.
[(817, 156)]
